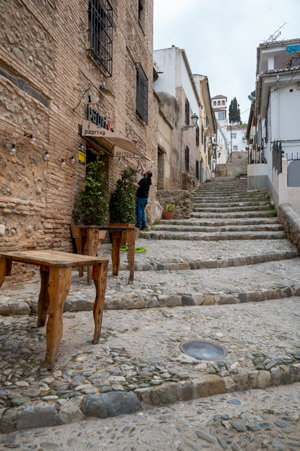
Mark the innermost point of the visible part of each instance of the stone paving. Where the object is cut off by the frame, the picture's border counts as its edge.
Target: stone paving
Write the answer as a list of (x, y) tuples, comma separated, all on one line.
[(138, 363), (139, 352), (268, 420)]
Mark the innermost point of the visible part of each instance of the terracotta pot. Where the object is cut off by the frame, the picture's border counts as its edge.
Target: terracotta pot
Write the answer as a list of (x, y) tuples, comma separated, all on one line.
[(168, 214)]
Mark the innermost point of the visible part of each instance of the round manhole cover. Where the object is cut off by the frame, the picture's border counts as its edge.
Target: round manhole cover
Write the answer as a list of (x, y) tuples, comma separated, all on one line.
[(204, 350)]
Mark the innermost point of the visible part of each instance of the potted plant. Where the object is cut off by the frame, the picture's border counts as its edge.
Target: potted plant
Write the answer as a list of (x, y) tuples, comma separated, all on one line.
[(122, 202), (169, 211), (90, 212)]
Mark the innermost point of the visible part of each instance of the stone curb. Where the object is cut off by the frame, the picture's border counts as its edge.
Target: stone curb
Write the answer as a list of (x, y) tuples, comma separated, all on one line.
[(44, 414), (213, 384), (165, 300), (61, 411)]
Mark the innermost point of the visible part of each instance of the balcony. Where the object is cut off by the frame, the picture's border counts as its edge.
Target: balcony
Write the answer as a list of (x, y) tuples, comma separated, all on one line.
[(293, 61)]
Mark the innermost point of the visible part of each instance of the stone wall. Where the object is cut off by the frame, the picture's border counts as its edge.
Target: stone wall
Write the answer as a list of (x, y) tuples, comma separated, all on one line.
[(43, 57), (221, 170), (183, 200), (290, 221)]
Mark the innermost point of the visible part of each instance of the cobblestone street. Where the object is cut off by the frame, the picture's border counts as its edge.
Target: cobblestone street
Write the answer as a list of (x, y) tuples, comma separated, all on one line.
[(183, 290)]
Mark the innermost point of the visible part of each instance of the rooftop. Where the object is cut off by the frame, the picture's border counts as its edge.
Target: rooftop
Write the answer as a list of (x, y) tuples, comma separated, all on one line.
[(265, 45)]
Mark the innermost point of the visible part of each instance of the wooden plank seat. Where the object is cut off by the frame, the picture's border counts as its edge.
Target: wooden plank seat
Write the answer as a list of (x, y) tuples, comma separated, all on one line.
[(55, 271)]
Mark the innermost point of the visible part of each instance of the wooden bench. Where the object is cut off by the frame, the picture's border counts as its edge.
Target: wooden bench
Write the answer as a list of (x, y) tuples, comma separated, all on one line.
[(56, 273)]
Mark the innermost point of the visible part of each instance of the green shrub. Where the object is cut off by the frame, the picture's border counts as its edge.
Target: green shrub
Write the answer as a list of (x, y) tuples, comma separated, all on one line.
[(122, 201), (92, 207)]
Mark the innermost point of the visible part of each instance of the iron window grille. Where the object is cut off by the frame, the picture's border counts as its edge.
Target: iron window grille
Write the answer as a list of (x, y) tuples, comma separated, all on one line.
[(197, 135), (141, 93), (197, 169), (187, 111), (207, 121), (187, 158), (204, 143), (202, 134), (100, 33)]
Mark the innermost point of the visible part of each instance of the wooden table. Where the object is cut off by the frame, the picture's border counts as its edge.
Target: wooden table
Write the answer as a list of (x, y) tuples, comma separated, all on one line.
[(55, 270), (117, 231), (88, 241)]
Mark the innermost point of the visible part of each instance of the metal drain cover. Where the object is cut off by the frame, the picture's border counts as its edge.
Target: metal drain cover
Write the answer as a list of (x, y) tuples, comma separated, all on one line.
[(204, 350)]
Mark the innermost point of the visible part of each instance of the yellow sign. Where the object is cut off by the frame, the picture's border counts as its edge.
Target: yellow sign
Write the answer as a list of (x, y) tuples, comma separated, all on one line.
[(81, 157)]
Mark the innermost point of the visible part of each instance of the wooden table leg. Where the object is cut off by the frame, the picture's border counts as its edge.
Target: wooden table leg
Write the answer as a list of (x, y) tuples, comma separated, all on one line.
[(5, 268), (92, 249), (44, 300), (100, 277), (130, 256), (115, 254), (59, 287)]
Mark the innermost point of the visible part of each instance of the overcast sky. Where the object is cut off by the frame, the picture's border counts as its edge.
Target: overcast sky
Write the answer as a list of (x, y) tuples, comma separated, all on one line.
[(220, 38)]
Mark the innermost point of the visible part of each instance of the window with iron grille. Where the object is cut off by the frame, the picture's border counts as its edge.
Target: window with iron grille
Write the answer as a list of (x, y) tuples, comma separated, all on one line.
[(204, 143), (197, 169), (197, 135), (100, 33), (207, 121), (187, 112), (202, 134), (141, 93), (187, 158), (141, 7)]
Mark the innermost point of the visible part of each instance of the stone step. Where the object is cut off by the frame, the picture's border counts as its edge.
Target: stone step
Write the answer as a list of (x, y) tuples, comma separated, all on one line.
[(217, 229), (219, 222), (233, 209), (246, 214), (271, 235), (217, 204), (247, 194)]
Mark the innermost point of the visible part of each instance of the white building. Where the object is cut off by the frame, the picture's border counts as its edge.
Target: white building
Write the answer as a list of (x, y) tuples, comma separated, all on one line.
[(219, 104), (176, 78), (275, 119), (236, 137)]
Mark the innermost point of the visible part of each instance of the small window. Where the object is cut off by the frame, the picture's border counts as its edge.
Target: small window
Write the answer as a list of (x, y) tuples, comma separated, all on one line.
[(235, 147), (233, 135), (204, 143), (206, 121), (187, 158), (141, 7), (223, 102), (202, 134), (141, 93), (197, 169), (187, 111), (100, 33), (197, 136), (215, 103), (219, 102), (221, 116)]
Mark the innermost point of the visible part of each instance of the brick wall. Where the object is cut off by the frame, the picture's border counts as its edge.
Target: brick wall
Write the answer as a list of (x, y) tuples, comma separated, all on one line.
[(42, 59)]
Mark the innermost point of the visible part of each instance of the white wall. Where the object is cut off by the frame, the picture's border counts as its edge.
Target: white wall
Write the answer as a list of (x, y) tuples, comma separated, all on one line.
[(184, 80), (238, 141), (174, 75), (166, 62)]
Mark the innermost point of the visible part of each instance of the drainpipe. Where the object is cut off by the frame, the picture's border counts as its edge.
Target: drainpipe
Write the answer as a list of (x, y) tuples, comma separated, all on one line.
[(278, 110)]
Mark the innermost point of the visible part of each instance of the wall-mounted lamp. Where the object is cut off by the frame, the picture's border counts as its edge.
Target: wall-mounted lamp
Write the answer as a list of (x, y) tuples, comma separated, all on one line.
[(194, 122), (63, 163), (72, 159), (32, 139), (81, 148), (46, 156), (13, 150)]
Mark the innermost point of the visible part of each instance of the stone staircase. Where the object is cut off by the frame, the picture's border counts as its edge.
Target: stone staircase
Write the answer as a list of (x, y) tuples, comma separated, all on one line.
[(237, 164), (223, 210)]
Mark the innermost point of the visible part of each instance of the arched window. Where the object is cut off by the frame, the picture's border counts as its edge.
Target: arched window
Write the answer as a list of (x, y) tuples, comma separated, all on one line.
[(219, 102), (223, 102), (215, 103)]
